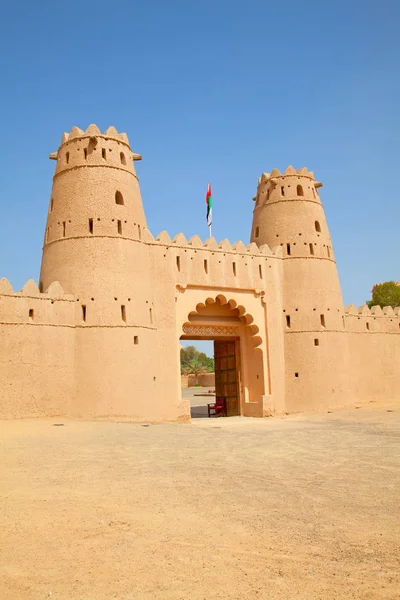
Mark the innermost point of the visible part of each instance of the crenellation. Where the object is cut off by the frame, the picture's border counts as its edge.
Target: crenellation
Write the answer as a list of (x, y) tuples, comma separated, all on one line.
[(30, 288), (364, 310), (163, 237), (351, 309), (211, 243), (225, 245), (5, 286), (180, 240), (239, 247)]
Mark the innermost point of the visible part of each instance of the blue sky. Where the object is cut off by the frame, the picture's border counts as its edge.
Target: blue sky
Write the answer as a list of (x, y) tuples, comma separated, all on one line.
[(214, 91)]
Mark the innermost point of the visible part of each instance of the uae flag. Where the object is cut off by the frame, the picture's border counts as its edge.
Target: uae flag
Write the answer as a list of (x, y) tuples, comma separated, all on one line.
[(209, 205)]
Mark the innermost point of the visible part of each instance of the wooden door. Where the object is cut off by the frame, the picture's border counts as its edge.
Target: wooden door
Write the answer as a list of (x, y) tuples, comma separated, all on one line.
[(227, 374)]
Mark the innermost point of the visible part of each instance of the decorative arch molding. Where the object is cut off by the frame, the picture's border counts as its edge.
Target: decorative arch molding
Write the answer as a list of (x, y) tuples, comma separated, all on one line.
[(214, 330), (239, 313)]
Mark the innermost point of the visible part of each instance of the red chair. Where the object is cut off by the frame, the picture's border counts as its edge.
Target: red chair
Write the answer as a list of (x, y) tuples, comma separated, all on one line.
[(218, 407)]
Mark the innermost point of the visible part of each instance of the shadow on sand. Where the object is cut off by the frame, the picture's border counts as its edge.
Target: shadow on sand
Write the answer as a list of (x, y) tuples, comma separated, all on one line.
[(199, 412)]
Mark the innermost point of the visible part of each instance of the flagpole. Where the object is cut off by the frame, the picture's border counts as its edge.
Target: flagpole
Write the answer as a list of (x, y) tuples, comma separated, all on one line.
[(209, 209)]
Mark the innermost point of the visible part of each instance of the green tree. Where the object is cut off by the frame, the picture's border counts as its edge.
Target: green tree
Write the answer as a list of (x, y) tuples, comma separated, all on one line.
[(385, 294), (190, 353), (209, 364), (194, 367)]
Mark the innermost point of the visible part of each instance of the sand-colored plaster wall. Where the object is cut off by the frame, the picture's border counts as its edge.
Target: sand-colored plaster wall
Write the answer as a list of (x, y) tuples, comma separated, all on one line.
[(374, 348), (36, 352)]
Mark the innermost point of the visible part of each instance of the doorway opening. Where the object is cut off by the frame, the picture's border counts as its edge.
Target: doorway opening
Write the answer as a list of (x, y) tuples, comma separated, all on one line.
[(226, 330), (202, 387)]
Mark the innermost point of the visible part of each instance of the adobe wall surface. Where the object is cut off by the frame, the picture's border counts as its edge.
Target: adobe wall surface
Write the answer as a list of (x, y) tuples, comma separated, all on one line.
[(203, 380), (374, 349), (37, 371)]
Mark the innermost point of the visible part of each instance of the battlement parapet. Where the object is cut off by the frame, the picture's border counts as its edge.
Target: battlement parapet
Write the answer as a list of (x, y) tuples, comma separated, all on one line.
[(94, 131), (32, 307), (211, 244), (290, 172), (288, 186), (375, 319), (212, 263), (91, 148)]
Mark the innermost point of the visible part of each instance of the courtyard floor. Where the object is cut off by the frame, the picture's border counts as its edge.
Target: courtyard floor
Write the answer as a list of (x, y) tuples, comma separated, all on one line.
[(301, 507)]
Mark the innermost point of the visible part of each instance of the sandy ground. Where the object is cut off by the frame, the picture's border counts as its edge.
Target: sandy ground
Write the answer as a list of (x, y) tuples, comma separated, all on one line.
[(304, 507)]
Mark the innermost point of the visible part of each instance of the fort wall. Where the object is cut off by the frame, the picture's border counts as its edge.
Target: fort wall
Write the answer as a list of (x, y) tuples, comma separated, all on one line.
[(37, 369), (374, 351)]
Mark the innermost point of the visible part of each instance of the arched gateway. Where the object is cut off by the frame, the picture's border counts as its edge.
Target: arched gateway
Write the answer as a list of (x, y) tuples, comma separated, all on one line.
[(238, 350)]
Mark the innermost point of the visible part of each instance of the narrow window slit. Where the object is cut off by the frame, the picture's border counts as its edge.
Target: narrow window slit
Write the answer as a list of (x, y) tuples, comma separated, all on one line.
[(119, 227), (63, 228), (135, 340), (83, 312), (260, 271), (85, 153), (316, 342), (282, 191), (90, 225), (151, 316), (104, 153), (234, 268), (288, 321), (206, 266), (178, 263), (31, 314), (123, 312), (122, 158), (67, 157), (288, 249), (322, 318), (312, 249)]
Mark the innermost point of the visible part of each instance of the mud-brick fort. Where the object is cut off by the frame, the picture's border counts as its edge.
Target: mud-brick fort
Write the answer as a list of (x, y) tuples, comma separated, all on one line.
[(99, 337)]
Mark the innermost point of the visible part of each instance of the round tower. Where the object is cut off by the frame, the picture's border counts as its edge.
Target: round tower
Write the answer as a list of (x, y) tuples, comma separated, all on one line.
[(94, 246), (288, 212)]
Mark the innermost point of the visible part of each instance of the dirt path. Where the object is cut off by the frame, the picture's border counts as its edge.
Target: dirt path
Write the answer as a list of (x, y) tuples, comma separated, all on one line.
[(297, 508)]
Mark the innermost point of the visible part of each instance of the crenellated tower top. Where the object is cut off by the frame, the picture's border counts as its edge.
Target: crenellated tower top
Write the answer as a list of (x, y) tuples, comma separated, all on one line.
[(92, 148), (291, 184)]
